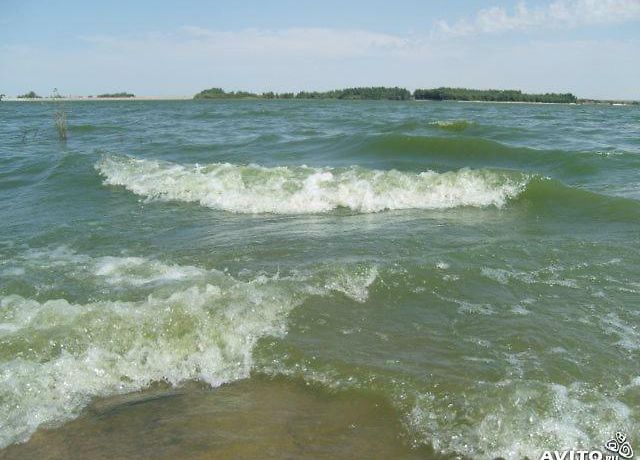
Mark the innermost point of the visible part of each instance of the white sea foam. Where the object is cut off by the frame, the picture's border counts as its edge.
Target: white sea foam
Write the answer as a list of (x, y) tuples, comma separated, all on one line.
[(106, 347), (628, 333), (203, 328), (354, 285), (467, 307), (514, 418), (520, 309), (301, 189), (518, 419), (140, 271), (457, 125), (116, 271), (551, 276)]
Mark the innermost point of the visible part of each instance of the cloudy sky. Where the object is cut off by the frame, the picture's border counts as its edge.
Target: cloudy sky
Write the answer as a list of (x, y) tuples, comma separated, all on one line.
[(588, 47)]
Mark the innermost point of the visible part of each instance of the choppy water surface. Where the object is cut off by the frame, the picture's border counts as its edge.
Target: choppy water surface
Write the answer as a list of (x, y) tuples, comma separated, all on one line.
[(473, 267)]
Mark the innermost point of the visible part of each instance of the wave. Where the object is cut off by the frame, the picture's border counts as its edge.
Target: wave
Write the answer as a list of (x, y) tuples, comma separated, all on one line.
[(559, 417), (485, 422), (177, 323), (413, 124), (57, 355), (453, 125), (302, 189), (306, 190), (89, 128), (546, 196), (103, 348), (482, 153)]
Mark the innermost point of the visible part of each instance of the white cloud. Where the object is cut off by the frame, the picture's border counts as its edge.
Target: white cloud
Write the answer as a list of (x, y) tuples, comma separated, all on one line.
[(260, 43), (559, 13)]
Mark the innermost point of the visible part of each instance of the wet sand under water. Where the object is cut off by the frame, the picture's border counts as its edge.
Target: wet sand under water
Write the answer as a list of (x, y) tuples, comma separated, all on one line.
[(249, 419)]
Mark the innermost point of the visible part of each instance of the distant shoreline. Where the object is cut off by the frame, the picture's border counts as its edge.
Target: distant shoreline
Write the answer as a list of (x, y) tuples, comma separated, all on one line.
[(361, 93), (190, 98), (87, 98)]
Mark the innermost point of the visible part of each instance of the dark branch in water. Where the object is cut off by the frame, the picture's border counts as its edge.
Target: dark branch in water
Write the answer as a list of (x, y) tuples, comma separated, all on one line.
[(60, 117)]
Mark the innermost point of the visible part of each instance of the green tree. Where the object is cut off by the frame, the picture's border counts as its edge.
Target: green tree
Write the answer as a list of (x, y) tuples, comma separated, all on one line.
[(121, 94), (29, 95), (509, 95), (360, 93), (219, 93)]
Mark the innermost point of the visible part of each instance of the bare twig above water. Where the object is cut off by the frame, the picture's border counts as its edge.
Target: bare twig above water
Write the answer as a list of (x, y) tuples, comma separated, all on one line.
[(60, 118)]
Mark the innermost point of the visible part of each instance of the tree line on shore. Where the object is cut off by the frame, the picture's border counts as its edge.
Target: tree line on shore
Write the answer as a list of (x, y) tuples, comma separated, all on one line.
[(377, 93), (122, 94), (29, 95), (497, 95), (55, 95), (396, 93), (370, 93)]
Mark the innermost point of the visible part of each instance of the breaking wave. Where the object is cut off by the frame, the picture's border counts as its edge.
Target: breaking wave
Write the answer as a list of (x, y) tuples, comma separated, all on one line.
[(57, 354), (486, 422), (302, 189), (453, 125)]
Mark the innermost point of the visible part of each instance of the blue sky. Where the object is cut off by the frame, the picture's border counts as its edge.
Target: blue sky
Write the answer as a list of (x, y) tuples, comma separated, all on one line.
[(589, 47)]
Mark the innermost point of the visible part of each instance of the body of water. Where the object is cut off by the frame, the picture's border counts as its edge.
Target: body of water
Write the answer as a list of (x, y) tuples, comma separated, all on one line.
[(456, 279)]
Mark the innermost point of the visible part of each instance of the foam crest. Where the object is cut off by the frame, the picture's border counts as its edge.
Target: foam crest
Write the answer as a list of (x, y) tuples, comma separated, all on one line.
[(354, 285), (80, 351), (549, 416), (302, 189), (56, 355), (513, 418), (551, 276), (140, 271), (108, 270), (453, 125)]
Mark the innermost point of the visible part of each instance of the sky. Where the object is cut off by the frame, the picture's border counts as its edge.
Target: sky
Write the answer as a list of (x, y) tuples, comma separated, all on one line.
[(588, 47)]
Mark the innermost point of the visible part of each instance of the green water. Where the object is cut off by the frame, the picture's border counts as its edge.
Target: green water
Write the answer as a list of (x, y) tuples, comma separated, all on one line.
[(475, 267)]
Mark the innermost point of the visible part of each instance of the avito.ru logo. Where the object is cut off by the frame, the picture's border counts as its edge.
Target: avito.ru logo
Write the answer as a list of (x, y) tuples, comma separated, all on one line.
[(617, 448), (619, 445)]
